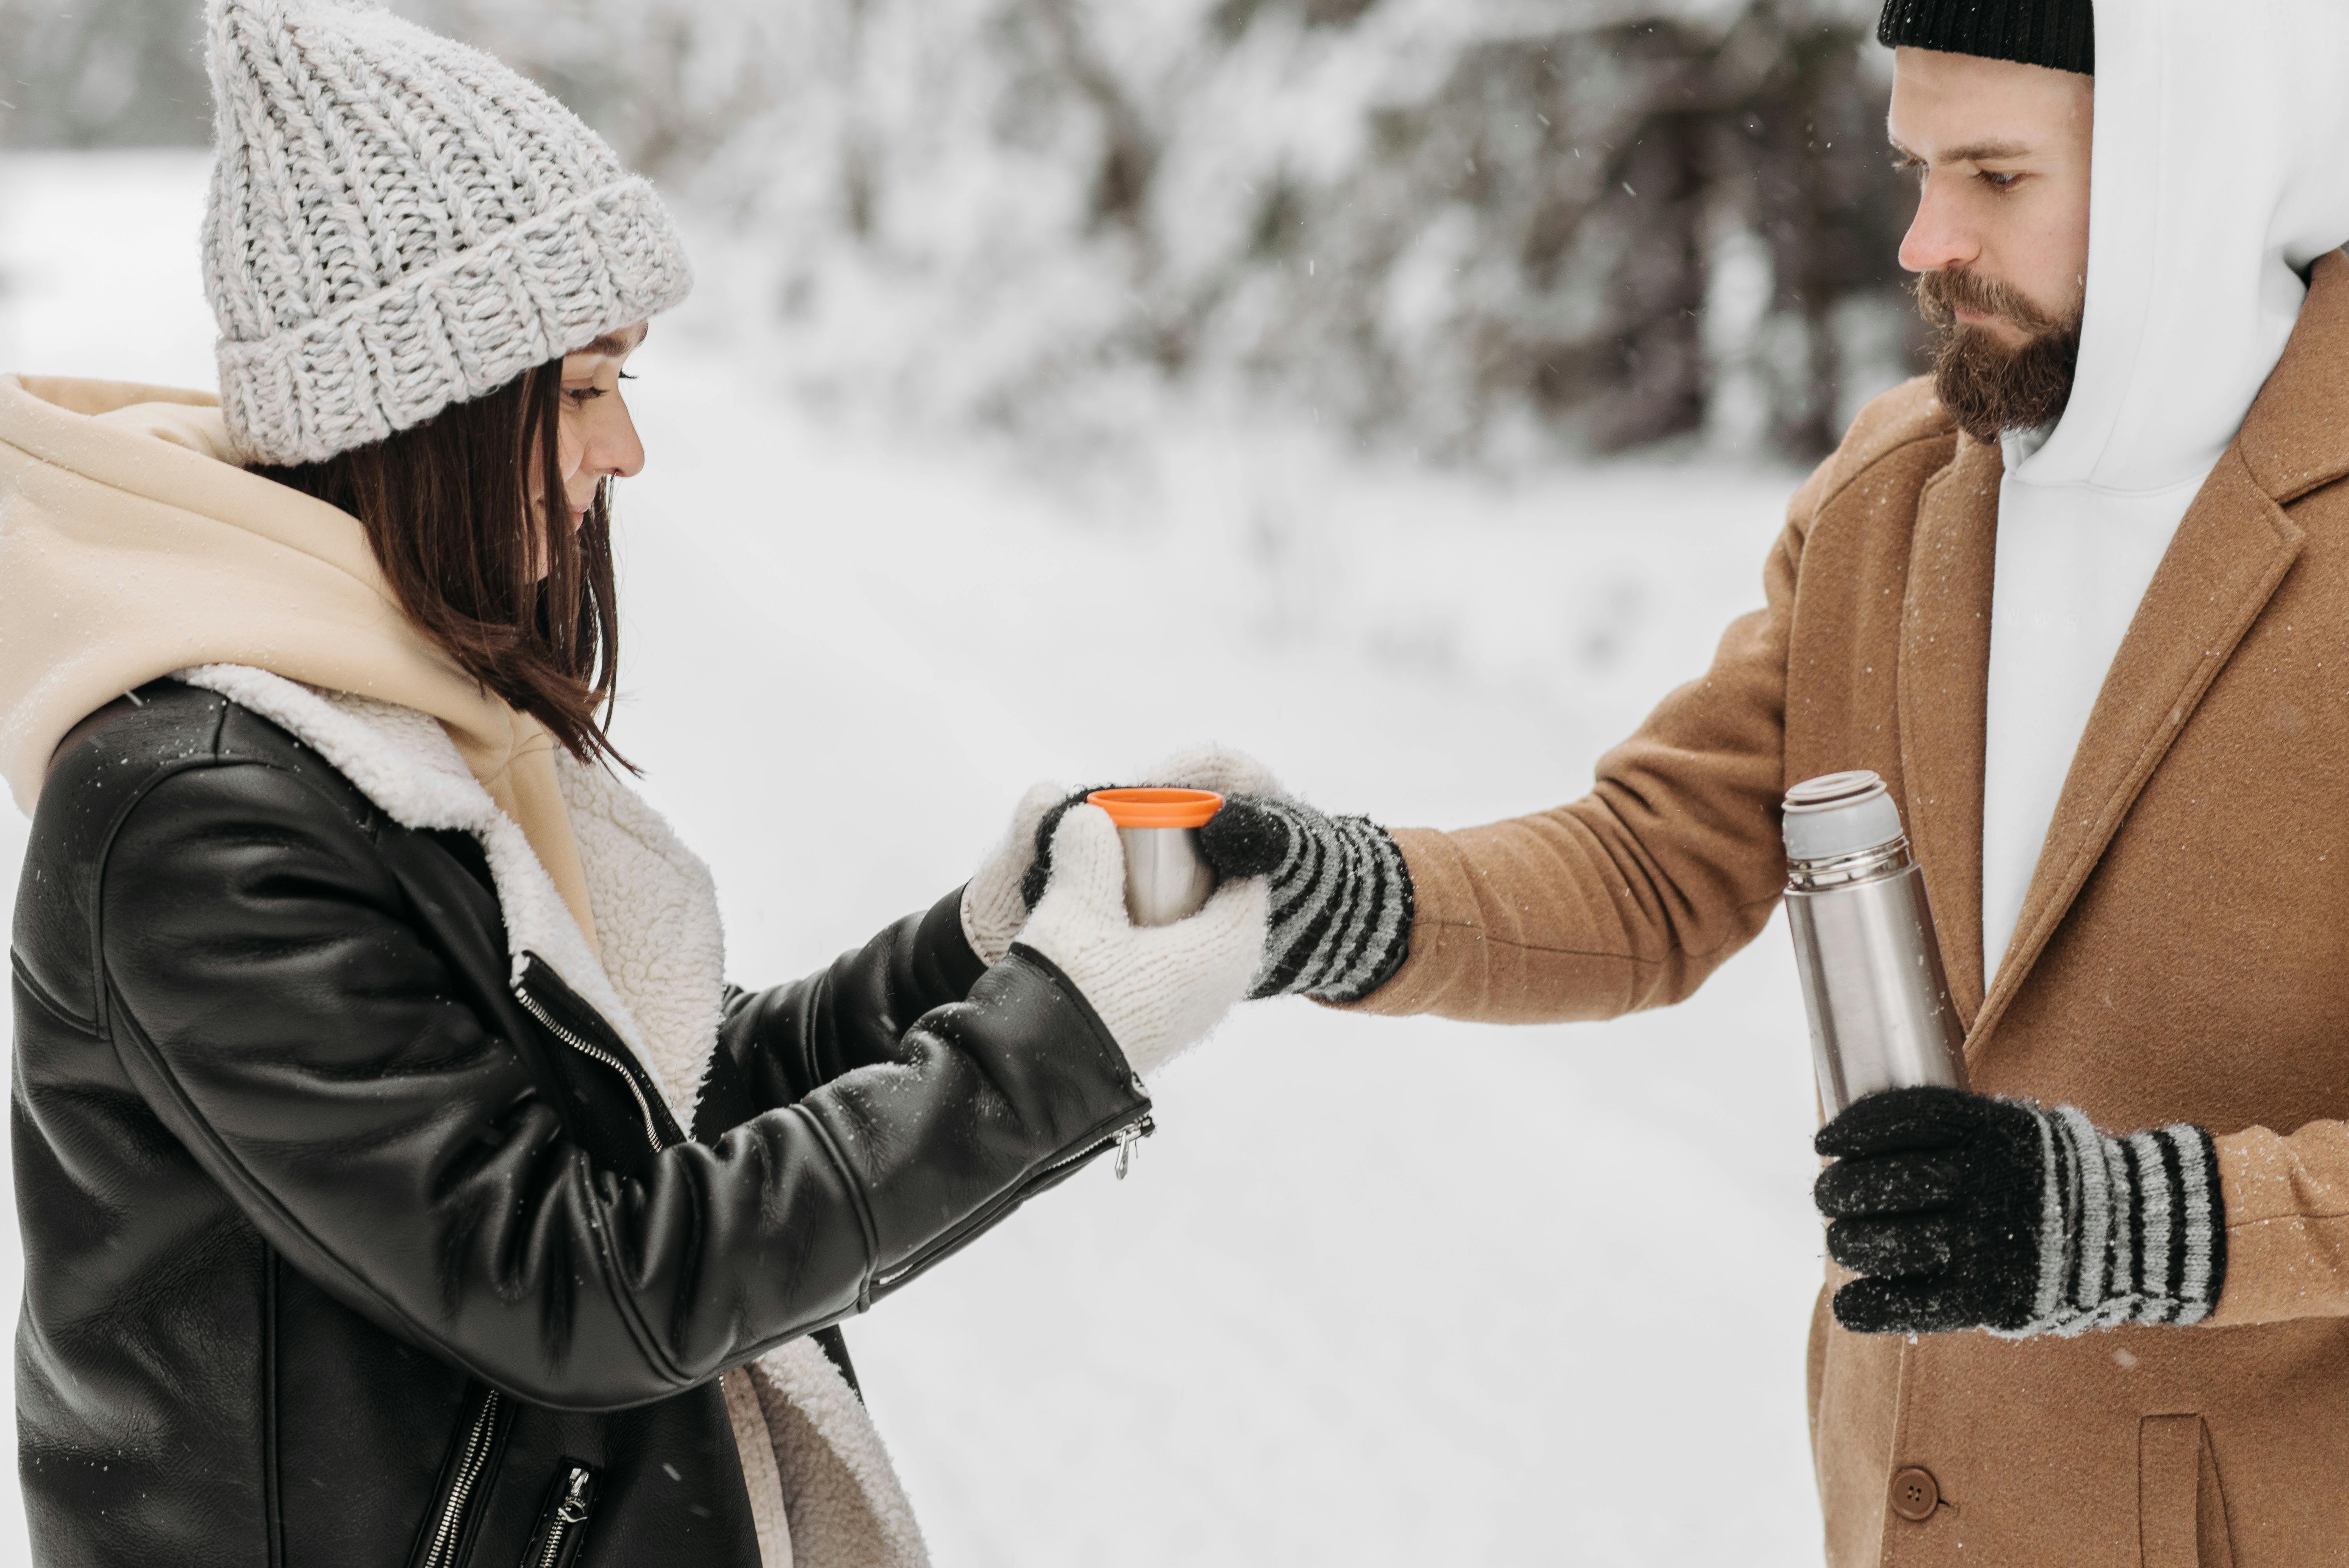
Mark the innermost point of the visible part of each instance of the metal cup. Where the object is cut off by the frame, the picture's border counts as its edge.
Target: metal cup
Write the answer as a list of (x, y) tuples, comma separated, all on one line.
[(1166, 878)]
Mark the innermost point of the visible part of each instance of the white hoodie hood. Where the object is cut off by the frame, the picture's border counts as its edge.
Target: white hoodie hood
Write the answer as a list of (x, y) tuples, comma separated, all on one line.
[(2220, 173)]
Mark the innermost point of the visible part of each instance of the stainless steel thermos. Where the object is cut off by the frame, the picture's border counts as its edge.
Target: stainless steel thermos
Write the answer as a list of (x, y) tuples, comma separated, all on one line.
[(1864, 944)]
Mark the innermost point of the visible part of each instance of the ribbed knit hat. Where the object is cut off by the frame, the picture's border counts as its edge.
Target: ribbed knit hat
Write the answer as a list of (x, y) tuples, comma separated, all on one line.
[(2060, 34), (398, 222)]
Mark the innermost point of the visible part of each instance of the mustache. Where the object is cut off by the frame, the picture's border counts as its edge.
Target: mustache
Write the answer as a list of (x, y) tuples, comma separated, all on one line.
[(1941, 295)]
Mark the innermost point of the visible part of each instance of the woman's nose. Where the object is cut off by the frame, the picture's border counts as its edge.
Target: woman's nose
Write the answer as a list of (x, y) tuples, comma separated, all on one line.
[(616, 450)]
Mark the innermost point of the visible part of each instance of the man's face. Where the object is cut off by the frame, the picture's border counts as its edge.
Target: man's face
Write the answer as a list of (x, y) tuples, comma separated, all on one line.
[(2001, 238)]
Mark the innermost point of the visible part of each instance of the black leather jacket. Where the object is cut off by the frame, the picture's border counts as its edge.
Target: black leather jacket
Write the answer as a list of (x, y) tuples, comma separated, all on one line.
[(335, 1253)]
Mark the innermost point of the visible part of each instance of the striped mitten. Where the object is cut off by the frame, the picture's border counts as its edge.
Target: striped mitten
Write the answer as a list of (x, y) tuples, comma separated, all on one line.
[(1342, 897), (1965, 1211)]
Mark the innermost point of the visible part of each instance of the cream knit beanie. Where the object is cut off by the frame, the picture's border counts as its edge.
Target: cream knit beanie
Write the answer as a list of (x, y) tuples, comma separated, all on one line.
[(398, 222)]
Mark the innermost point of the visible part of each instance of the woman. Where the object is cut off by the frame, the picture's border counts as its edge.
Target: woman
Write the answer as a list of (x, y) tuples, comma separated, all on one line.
[(399, 1181)]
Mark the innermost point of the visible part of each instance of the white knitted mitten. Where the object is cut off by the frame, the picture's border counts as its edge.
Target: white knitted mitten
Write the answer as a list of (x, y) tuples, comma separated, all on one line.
[(1216, 768), (992, 910), (1159, 989), (993, 905)]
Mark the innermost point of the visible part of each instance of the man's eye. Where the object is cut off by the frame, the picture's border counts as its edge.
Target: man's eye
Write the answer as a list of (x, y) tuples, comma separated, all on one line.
[(2001, 180)]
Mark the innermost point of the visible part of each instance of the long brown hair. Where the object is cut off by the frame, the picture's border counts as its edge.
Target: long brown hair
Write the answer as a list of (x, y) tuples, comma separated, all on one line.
[(447, 506)]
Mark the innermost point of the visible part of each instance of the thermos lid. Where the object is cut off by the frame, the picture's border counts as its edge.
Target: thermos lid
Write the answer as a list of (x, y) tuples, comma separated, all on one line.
[(1158, 808), (1839, 814)]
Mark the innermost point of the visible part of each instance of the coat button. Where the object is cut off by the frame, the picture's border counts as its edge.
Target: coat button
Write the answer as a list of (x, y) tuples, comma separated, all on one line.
[(1915, 1494)]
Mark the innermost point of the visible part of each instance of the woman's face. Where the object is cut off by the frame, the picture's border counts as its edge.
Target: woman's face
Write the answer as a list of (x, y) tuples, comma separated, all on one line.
[(595, 439)]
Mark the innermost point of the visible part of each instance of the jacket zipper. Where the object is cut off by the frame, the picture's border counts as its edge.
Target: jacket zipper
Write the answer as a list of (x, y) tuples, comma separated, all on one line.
[(1123, 1138), (479, 1441), (588, 1049), (570, 1512), (1122, 1141)]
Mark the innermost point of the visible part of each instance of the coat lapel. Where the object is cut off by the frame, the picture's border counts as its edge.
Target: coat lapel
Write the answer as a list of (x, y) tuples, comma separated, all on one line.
[(1944, 687), (2297, 437), (2230, 553)]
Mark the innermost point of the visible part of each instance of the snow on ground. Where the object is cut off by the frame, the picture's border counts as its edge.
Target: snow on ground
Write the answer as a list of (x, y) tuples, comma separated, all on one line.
[(1379, 1292)]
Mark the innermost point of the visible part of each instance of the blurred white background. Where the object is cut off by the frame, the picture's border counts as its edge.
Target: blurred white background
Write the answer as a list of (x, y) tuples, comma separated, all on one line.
[(930, 516)]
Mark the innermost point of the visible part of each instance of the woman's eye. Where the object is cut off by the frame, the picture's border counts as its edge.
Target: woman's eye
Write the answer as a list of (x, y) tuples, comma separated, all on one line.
[(583, 394)]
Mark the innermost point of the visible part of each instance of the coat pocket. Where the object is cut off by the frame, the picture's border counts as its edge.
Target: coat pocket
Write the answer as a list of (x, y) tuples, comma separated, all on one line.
[(2181, 1509)]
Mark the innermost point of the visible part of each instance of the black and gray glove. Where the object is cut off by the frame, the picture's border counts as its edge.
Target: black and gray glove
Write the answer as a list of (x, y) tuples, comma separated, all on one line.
[(1967, 1212), (1341, 898)]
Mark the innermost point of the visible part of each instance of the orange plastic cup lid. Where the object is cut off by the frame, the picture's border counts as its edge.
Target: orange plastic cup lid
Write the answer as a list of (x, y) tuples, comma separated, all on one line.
[(1158, 808)]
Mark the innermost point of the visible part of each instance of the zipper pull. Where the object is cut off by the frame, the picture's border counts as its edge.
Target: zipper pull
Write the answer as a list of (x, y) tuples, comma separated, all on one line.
[(574, 1501), (1126, 1139)]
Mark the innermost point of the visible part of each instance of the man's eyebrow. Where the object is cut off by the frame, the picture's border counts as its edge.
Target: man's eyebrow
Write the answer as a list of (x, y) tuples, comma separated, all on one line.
[(1986, 153), (1972, 153)]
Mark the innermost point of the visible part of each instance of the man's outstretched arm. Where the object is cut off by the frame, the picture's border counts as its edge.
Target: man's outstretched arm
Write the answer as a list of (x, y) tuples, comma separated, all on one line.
[(1629, 897)]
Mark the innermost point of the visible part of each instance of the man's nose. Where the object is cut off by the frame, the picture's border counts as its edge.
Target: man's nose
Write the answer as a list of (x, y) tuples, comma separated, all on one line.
[(1938, 240)]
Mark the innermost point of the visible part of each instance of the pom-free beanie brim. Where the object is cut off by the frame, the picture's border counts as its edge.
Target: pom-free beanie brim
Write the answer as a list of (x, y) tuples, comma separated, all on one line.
[(2058, 34), (458, 330)]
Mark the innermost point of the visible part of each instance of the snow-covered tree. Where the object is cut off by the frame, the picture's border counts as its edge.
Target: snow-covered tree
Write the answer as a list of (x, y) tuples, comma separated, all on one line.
[(1464, 225), (1449, 224)]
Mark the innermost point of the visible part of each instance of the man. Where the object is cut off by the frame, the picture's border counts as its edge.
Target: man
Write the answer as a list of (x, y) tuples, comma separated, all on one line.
[(2082, 597)]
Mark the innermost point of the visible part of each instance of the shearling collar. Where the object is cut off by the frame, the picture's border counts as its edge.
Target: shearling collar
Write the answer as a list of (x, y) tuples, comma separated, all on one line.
[(660, 979)]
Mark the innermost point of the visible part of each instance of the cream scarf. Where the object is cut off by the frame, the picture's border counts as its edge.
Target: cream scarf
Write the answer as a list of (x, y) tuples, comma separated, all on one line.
[(129, 547)]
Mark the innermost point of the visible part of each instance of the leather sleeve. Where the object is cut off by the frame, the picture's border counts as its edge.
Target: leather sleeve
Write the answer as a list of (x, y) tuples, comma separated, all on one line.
[(2287, 1216), (1629, 896), (274, 1000), (774, 1046)]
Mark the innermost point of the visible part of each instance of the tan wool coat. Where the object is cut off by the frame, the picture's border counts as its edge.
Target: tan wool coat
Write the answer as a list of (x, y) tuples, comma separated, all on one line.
[(2183, 955)]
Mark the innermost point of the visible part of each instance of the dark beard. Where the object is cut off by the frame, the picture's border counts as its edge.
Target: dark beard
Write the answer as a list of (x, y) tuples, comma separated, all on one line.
[(1987, 386)]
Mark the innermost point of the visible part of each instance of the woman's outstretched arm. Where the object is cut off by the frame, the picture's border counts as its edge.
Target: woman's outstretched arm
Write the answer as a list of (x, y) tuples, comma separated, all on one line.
[(274, 996), (776, 1045)]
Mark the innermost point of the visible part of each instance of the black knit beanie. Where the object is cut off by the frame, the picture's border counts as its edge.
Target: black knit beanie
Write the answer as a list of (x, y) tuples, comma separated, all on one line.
[(2061, 33)]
